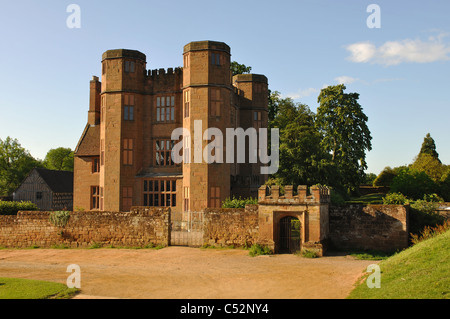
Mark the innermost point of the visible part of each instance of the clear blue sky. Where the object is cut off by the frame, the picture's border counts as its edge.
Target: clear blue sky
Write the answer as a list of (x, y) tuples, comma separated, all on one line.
[(401, 70)]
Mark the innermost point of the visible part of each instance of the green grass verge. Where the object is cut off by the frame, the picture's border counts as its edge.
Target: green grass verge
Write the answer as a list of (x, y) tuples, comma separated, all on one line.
[(14, 288), (375, 198), (371, 255), (419, 272)]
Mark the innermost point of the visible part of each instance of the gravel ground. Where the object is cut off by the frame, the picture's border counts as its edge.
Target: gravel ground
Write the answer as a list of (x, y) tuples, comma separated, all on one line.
[(188, 273)]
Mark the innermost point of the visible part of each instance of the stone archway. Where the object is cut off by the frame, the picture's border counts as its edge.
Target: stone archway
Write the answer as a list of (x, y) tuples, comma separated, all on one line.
[(289, 235), (311, 210)]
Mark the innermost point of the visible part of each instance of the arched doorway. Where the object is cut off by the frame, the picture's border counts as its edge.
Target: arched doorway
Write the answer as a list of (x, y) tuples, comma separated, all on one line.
[(290, 235)]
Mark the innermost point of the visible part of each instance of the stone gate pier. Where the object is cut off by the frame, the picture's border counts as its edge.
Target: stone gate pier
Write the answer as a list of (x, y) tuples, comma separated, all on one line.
[(289, 223)]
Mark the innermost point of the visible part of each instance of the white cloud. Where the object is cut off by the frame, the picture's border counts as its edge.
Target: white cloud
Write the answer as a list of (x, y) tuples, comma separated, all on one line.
[(404, 51), (345, 79), (361, 52)]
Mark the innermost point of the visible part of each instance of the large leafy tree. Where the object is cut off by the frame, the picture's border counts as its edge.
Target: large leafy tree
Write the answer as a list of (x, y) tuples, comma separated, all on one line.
[(430, 165), (15, 164), (346, 136), (60, 159), (302, 159), (273, 105)]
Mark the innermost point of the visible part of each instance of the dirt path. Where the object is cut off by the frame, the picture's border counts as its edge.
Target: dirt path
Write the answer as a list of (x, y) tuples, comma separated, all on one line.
[(188, 273)]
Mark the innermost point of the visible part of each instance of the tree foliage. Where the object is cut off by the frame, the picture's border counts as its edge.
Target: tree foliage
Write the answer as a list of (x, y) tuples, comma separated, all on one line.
[(385, 177), (274, 98), (237, 68), (429, 147), (369, 179), (15, 164), (445, 184), (430, 165), (60, 159), (302, 159), (413, 184), (346, 136)]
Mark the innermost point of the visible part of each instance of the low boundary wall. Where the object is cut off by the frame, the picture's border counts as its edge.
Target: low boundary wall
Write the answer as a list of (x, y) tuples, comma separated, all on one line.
[(357, 226), (138, 228), (369, 227)]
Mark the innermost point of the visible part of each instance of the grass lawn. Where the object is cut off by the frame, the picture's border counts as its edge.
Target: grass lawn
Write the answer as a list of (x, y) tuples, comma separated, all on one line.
[(375, 198), (419, 272), (13, 288)]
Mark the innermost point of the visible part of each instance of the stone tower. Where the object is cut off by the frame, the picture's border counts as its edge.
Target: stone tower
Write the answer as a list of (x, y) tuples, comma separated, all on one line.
[(123, 73), (207, 100)]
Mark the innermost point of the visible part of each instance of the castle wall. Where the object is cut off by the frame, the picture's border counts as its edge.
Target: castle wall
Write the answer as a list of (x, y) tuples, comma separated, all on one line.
[(231, 226), (141, 227), (377, 227), (351, 227)]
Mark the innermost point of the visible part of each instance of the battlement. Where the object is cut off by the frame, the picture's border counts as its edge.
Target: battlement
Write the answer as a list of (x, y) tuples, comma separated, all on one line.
[(206, 45), (123, 53), (271, 195), (250, 78), (163, 72)]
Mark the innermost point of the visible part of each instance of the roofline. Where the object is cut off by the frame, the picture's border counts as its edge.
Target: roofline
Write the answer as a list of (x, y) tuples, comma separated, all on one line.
[(83, 135)]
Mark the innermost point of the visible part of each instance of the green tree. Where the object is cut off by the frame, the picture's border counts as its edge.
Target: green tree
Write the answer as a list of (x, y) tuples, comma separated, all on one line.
[(413, 184), (430, 165), (385, 177), (429, 147), (346, 136), (302, 159), (60, 159), (237, 68), (369, 178), (444, 184), (274, 98), (15, 164)]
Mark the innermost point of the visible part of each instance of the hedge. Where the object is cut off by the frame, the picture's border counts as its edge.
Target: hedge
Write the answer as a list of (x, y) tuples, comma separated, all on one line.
[(11, 208)]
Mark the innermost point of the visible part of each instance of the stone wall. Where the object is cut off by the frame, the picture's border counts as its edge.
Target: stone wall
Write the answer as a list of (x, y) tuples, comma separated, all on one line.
[(377, 227), (444, 210), (138, 228), (231, 226)]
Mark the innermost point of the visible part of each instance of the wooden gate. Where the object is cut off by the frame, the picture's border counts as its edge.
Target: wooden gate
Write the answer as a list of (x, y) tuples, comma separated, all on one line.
[(289, 235), (186, 229)]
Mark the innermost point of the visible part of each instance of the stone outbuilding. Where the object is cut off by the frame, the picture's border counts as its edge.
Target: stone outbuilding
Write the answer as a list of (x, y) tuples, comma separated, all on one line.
[(290, 223)]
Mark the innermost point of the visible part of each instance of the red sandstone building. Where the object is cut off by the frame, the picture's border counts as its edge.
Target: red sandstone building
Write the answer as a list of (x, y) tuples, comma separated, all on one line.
[(123, 157)]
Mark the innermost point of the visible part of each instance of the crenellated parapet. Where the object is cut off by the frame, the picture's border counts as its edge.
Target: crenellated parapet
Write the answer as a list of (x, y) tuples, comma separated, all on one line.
[(163, 72), (271, 195)]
